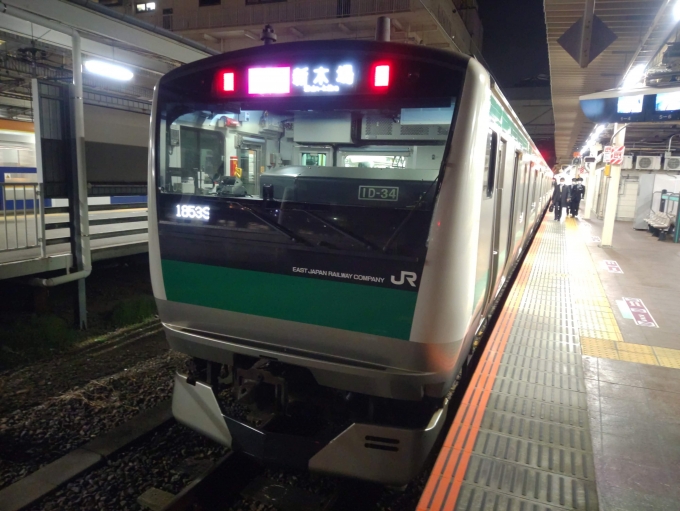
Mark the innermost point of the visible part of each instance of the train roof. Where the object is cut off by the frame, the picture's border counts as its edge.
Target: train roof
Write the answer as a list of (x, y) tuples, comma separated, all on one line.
[(285, 50)]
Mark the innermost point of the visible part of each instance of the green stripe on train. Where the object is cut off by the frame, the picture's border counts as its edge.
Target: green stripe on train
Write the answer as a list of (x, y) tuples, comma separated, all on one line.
[(505, 123), (355, 307)]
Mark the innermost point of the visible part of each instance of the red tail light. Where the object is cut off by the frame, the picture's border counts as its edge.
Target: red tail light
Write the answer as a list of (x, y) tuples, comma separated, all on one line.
[(381, 76), (228, 82)]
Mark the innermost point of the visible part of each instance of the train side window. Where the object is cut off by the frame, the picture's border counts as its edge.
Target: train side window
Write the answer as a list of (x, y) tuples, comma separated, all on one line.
[(490, 164)]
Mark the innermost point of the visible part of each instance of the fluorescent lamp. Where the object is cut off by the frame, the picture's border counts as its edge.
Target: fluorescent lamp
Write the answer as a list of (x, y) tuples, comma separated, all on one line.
[(676, 10), (112, 71), (634, 76)]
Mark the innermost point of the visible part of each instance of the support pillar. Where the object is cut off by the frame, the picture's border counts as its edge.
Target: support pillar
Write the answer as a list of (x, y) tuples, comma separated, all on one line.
[(612, 192), (80, 219), (590, 191), (382, 29)]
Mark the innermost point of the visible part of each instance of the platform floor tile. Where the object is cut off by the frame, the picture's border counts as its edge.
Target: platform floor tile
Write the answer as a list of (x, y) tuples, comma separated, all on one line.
[(521, 440), (598, 329)]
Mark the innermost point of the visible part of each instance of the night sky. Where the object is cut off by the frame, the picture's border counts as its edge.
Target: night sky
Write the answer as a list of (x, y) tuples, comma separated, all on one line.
[(514, 39)]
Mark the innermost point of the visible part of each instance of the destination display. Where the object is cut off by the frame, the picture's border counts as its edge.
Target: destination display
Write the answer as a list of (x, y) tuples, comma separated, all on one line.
[(317, 78)]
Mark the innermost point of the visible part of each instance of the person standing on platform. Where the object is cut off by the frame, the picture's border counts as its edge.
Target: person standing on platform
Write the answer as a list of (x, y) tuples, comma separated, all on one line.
[(578, 192), (560, 198)]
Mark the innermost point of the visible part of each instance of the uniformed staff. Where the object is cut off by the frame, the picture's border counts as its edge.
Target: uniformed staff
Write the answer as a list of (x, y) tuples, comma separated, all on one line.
[(560, 198), (578, 191)]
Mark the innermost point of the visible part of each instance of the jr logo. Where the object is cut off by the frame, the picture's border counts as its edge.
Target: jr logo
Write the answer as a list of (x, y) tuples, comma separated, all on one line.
[(407, 276)]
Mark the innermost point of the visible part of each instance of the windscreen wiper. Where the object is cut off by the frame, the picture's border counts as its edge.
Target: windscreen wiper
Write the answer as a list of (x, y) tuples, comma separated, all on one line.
[(340, 230), (418, 204), (273, 225)]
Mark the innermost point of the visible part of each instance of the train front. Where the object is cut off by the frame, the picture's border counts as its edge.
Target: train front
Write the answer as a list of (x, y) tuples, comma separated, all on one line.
[(292, 190)]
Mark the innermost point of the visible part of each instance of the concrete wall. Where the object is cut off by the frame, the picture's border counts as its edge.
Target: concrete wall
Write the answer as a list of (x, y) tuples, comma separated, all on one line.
[(116, 145), (628, 190)]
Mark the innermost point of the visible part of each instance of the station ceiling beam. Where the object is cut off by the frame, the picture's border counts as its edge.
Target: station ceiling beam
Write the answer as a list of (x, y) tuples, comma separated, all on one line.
[(641, 27), (88, 21), (90, 47)]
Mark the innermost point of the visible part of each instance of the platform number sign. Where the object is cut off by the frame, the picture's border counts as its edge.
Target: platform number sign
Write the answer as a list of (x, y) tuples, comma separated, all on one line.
[(641, 315), (612, 266)]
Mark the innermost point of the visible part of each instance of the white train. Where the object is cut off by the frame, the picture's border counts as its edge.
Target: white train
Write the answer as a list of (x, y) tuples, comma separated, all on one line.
[(329, 223)]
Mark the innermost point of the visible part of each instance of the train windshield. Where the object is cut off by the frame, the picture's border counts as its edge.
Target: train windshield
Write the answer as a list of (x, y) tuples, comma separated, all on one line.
[(324, 147), (382, 157), (350, 180)]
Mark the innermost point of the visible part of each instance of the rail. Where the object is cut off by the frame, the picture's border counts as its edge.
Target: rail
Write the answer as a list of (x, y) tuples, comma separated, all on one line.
[(219, 486)]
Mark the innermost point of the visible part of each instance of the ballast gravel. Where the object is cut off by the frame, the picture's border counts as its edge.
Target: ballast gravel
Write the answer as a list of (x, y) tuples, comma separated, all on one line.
[(168, 460), (33, 437)]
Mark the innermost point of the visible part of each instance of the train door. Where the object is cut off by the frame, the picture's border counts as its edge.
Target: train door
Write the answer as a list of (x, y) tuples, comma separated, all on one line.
[(528, 182), (514, 204), (486, 219), (531, 203), (251, 165), (521, 204), (501, 219), (199, 158)]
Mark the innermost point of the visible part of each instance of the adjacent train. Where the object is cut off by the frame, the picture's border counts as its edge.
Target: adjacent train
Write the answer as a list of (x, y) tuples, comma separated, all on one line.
[(329, 223)]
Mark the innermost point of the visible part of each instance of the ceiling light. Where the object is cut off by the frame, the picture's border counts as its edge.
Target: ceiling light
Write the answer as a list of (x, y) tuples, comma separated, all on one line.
[(634, 76), (676, 10), (109, 70)]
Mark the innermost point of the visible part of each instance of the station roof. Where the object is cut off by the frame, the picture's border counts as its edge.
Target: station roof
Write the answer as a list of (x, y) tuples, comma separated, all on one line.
[(30, 50), (641, 28)]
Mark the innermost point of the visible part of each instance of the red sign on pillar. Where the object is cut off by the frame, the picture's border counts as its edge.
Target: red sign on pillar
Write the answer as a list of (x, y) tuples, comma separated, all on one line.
[(617, 155)]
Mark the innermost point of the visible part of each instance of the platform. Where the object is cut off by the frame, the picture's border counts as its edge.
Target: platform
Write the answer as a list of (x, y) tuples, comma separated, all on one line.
[(575, 403)]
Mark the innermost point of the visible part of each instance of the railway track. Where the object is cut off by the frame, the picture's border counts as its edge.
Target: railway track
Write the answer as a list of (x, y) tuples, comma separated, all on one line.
[(236, 481), (219, 487), (81, 408)]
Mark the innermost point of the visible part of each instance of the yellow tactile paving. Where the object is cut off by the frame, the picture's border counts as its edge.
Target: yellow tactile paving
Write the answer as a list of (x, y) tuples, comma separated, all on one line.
[(669, 362), (600, 334), (598, 330), (667, 353), (639, 358), (636, 348), (598, 343)]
